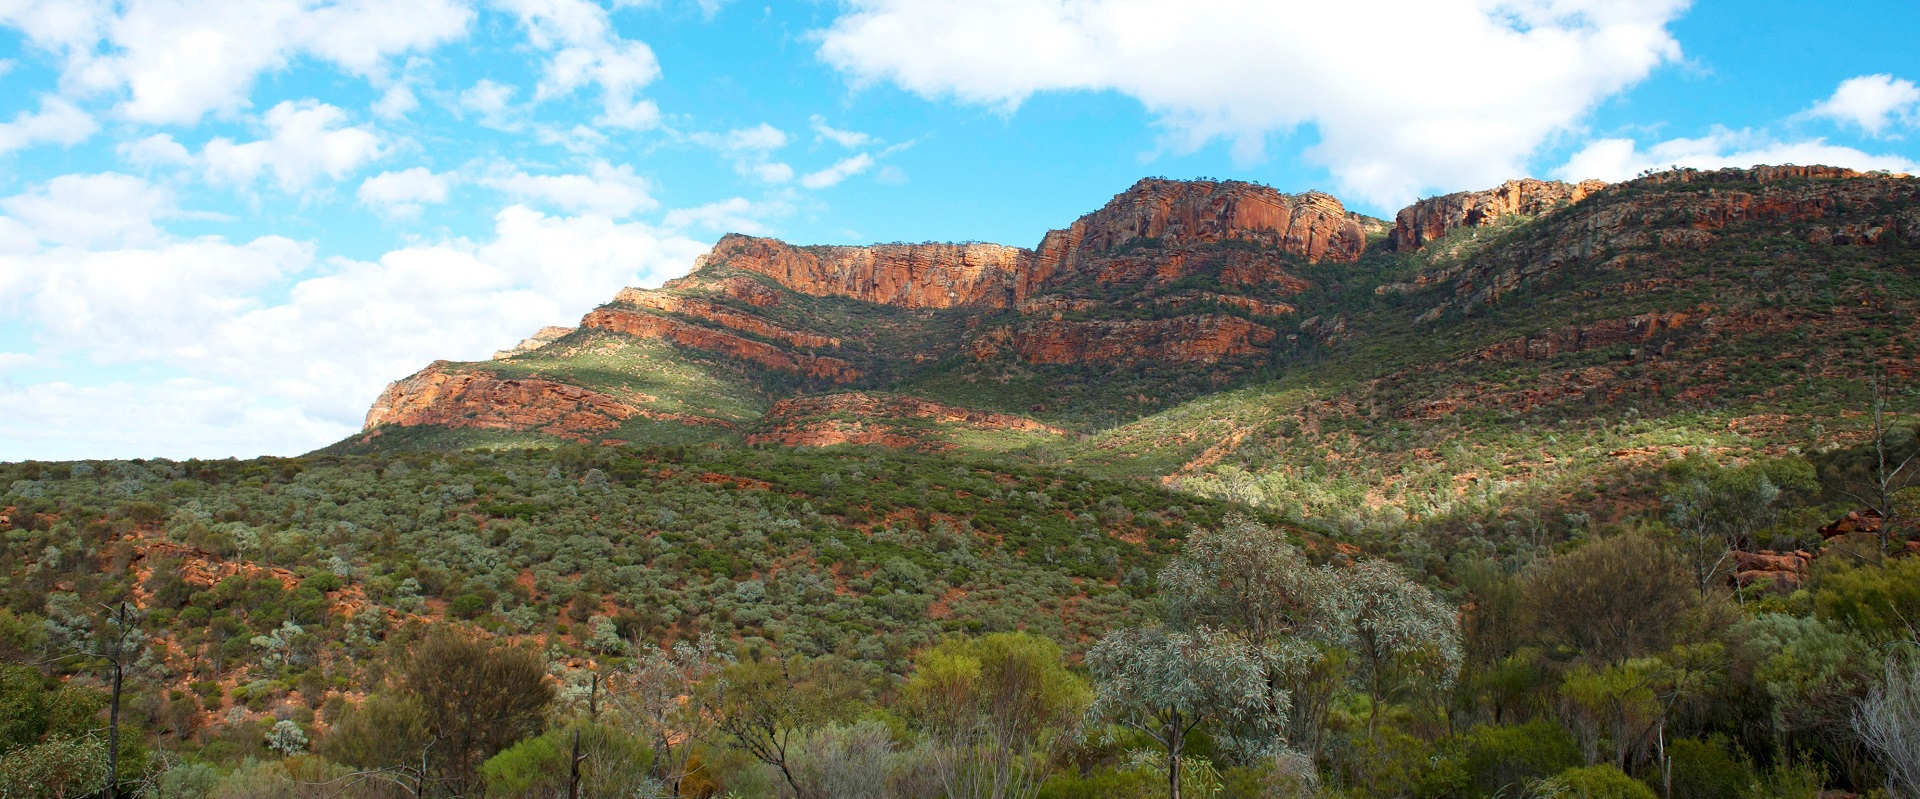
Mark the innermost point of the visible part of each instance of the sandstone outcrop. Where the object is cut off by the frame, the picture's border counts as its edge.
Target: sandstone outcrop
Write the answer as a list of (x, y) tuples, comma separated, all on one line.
[(1785, 570), (646, 325), (541, 338), (906, 275), (1435, 217), (720, 315), (437, 396), (860, 418), (1209, 338), (1627, 227), (1171, 214)]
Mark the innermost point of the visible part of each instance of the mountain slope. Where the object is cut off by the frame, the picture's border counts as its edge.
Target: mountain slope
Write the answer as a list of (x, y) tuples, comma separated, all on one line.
[(1538, 346)]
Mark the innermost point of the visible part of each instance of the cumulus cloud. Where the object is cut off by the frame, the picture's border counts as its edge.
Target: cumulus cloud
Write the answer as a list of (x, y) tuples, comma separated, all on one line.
[(57, 122), (1621, 159), (583, 48), (1365, 74), (492, 101), (175, 62), (281, 349), (751, 151), (605, 189), (839, 172), (404, 194), (306, 140), (1874, 103), (179, 418), (89, 210)]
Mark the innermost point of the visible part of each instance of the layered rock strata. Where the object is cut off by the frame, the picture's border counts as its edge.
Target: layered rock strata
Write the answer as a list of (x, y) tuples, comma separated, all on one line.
[(436, 396), (1435, 217), (1182, 339), (905, 275), (646, 325), (859, 418)]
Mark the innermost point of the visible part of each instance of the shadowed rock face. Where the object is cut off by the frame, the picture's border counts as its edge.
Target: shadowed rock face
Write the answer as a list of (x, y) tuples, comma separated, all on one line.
[(859, 418), (643, 325), (1182, 339)]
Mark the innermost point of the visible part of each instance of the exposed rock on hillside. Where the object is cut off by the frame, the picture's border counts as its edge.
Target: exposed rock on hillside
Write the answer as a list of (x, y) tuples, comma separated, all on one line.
[(645, 325), (1182, 339), (1434, 217), (1172, 214), (858, 418), (1637, 221), (720, 315), (545, 336), (435, 396), (907, 275)]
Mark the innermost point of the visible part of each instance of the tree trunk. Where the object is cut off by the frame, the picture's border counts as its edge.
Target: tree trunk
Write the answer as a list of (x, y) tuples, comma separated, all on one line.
[(573, 769), (113, 736), (1175, 743)]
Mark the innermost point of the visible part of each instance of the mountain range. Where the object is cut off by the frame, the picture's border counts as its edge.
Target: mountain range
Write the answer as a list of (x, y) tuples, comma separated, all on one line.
[(1536, 343)]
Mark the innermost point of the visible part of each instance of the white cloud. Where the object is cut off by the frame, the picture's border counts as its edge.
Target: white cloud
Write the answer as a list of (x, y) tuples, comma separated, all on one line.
[(833, 175), (492, 101), (606, 190), (279, 350), (751, 151), (396, 102), (401, 195), (180, 418), (733, 215), (849, 139), (584, 48), (1362, 73), (178, 61), (160, 149), (1873, 102), (306, 140), (88, 210), (57, 122), (1621, 159)]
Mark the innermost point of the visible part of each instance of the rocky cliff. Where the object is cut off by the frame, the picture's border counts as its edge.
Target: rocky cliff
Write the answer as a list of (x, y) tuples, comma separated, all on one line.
[(1435, 217), (437, 396), (906, 275), (644, 325)]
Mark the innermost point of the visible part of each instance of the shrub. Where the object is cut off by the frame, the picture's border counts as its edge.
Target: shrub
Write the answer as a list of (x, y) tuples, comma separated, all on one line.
[(1702, 770), (1497, 758), (1594, 782)]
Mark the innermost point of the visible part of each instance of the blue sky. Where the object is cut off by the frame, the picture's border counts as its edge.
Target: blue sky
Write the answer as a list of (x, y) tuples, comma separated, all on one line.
[(226, 224)]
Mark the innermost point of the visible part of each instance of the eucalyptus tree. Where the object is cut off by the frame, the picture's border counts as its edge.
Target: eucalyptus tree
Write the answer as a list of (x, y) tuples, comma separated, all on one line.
[(1397, 627), (1888, 720), (1248, 581), (995, 712), (664, 694), (767, 709), (1168, 683)]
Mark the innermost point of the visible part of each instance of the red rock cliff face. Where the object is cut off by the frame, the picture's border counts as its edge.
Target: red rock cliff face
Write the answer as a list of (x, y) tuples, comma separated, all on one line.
[(1182, 339), (857, 418), (643, 325), (720, 315), (906, 275), (436, 396), (1434, 217), (1174, 213)]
